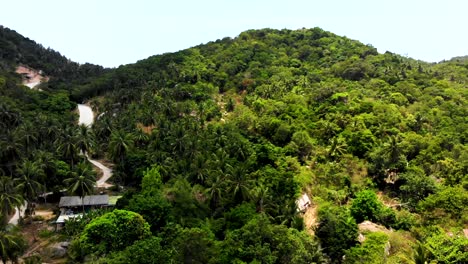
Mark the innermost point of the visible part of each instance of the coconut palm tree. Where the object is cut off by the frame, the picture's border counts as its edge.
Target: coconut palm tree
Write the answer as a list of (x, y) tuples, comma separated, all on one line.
[(67, 145), (81, 181), (11, 246), (85, 139), (120, 143), (29, 173), (337, 147), (261, 196), (238, 182), (216, 190), (10, 198), (28, 135), (10, 151)]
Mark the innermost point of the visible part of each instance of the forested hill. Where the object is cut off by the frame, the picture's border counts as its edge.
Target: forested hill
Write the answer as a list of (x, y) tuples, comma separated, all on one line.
[(214, 145), (234, 130), (16, 50)]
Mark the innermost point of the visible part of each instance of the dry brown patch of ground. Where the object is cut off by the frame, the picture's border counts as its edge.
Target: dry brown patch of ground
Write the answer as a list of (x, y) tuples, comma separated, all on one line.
[(146, 129), (31, 232), (31, 77), (311, 218)]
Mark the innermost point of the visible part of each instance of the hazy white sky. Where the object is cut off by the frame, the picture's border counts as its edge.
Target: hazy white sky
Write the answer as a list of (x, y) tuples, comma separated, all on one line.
[(115, 32)]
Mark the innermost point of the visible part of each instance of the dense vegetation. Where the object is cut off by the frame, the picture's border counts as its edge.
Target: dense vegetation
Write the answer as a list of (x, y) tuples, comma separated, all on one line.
[(215, 144), (39, 139)]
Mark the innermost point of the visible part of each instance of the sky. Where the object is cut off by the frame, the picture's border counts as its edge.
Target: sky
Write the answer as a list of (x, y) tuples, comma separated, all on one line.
[(116, 32)]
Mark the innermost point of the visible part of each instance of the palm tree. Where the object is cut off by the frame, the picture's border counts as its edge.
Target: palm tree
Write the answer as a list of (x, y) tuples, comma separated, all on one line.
[(393, 149), (239, 184), (11, 246), (10, 198), (29, 172), (141, 138), (10, 151), (178, 139), (337, 148), (286, 213), (67, 145), (8, 117), (28, 135), (85, 139), (119, 144), (261, 196), (215, 191), (81, 182), (200, 168)]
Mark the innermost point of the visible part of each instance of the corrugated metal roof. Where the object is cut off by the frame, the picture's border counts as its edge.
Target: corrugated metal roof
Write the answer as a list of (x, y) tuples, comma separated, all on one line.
[(72, 201)]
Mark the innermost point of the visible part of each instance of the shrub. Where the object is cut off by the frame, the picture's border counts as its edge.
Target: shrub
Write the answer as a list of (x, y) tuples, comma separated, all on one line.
[(337, 231), (113, 231), (366, 206)]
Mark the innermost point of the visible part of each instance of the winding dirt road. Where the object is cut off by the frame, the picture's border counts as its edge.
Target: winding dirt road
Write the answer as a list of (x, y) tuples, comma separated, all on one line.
[(87, 118)]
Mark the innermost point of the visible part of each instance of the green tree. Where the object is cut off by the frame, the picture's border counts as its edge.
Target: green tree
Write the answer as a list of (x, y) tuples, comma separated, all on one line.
[(238, 181), (416, 186), (146, 251), (216, 191), (443, 248), (113, 231), (447, 202), (85, 139), (12, 246), (302, 144), (151, 203), (366, 206), (337, 232), (371, 251), (119, 144), (259, 241), (81, 182), (10, 197), (28, 182), (67, 145), (195, 245)]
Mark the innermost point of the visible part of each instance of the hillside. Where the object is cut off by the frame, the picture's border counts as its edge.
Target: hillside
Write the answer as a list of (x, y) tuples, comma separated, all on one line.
[(256, 120), (214, 144), (39, 138), (17, 50)]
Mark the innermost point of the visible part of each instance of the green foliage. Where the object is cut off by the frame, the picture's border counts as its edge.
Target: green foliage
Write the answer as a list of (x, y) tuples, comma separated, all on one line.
[(195, 245), (237, 128), (366, 206), (416, 186), (74, 226), (261, 242), (448, 202), (337, 231), (239, 216), (444, 248), (113, 231), (144, 251), (10, 198), (154, 208), (151, 203), (372, 250), (12, 245)]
